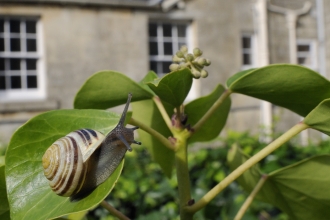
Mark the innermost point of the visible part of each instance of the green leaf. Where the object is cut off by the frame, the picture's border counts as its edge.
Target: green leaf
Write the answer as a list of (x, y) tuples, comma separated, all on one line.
[(107, 89), (293, 87), (29, 194), (4, 206), (300, 190), (213, 126), (174, 87), (319, 118), (151, 76), (147, 112)]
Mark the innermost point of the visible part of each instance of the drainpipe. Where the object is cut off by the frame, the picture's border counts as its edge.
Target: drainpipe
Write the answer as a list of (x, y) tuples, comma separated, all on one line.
[(263, 60), (291, 19)]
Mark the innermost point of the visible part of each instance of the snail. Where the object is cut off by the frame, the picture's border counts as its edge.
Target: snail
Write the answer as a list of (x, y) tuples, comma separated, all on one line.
[(77, 163)]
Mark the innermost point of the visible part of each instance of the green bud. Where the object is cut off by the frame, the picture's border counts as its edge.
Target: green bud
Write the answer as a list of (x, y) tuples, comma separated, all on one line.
[(197, 52), (208, 62), (204, 73), (176, 59), (190, 57), (196, 74), (184, 65), (184, 49), (180, 54), (174, 67), (201, 61)]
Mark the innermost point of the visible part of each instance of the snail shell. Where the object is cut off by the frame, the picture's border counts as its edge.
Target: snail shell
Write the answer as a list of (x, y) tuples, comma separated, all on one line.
[(86, 153)]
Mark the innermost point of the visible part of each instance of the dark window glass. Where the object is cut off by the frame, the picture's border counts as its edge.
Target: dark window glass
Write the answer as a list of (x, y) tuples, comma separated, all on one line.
[(153, 66), (2, 23), (166, 66), (181, 30), (31, 64), (31, 82), (31, 27), (15, 64), (15, 44), (14, 26), (302, 60), (2, 44), (152, 30), (167, 30), (246, 59), (153, 49), (168, 48), (2, 64), (31, 45), (15, 82), (303, 48), (2, 82), (246, 42)]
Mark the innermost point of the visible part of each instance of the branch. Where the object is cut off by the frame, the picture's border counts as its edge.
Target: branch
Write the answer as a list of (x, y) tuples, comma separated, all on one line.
[(162, 111), (152, 132), (245, 166), (113, 211)]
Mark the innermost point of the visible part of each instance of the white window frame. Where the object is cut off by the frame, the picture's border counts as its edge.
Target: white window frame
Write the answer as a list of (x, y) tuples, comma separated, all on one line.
[(24, 94), (174, 39), (311, 54), (251, 51)]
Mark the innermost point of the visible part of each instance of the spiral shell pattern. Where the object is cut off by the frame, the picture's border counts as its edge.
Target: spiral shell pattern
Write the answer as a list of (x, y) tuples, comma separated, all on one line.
[(66, 161)]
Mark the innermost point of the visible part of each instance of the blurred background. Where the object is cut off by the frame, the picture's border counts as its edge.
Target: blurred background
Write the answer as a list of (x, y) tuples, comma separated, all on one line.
[(48, 48)]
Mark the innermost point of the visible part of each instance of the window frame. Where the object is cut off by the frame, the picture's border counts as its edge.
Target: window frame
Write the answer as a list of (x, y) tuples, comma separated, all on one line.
[(252, 51), (23, 93), (312, 53)]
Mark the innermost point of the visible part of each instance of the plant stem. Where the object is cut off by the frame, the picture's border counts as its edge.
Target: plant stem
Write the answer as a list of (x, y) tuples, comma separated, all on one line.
[(210, 112), (152, 132), (245, 166), (182, 173), (249, 199), (113, 211), (162, 111)]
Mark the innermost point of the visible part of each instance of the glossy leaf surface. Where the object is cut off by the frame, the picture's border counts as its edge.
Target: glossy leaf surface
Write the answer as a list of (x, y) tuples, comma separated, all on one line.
[(29, 194), (319, 118), (147, 112), (107, 89), (293, 87), (174, 87), (300, 190), (213, 126), (4, 206)]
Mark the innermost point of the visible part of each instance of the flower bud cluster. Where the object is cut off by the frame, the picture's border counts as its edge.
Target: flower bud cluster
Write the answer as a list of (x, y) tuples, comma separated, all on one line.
[(193, 61)]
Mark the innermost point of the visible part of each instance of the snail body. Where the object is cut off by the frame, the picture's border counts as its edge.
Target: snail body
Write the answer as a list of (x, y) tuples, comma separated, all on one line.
[(77, 163)]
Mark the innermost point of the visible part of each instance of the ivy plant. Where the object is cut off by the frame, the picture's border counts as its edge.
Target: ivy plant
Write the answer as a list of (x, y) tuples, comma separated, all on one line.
[(168, 126)]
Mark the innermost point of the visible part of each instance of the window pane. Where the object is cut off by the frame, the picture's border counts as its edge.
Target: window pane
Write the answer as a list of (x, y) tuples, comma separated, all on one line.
[(166, 66), (15, 82), (15, 64), (167, 30), (2, 82), (153, 66), (31, 27), (303, 48), (2, 64), (246, 42), (152, 30), (168, 48), (14, 26), (15, 44), (153, 49), (302, 60), (2, 44), (246, 59), (31, 44), (2, 22), (32, 82), (182, 30), (31, 64)]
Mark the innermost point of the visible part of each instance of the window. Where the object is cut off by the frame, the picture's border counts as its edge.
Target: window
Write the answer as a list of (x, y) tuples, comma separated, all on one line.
[(165, 39), (306, 53), (20, 66), (248, 51)]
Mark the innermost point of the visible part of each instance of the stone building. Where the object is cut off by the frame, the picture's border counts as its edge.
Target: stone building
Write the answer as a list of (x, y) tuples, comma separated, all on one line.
[(48, 48)]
